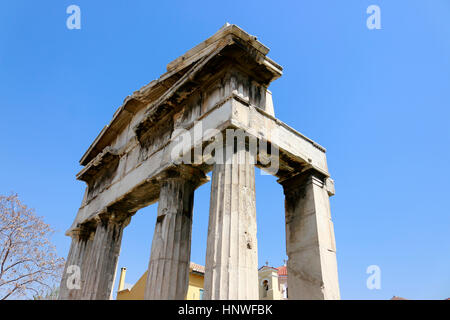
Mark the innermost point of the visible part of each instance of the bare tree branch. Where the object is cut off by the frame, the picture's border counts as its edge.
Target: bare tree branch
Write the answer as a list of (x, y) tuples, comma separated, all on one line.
[(28, 260)]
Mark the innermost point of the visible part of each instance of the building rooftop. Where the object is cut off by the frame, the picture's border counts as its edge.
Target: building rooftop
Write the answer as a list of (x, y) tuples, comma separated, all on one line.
[(196, 267), (282, 271)]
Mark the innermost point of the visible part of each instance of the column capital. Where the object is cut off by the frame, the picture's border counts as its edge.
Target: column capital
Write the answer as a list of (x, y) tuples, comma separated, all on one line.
[(112, 216), (84, 231), (295, 181), (194, 175)]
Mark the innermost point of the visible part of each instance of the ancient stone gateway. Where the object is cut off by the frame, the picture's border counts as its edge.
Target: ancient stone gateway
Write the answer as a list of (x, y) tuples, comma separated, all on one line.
[(159, 146)]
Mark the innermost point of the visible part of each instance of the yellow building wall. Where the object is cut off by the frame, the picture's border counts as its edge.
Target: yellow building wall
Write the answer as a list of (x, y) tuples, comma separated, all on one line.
[(138, 290), (196, 282)]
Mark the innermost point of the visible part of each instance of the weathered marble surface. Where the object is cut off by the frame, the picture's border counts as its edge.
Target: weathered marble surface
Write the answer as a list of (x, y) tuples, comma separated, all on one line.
[(310, 242), (231, 270), (221, 84), (168, 270)]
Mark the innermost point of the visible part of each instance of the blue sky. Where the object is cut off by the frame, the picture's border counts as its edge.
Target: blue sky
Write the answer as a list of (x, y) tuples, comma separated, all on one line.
[(378, 100)]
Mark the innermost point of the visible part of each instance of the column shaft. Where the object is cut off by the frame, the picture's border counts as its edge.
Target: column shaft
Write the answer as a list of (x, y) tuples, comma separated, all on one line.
[(231, 255), (101, 265), (73, 275), (310, 242), (168, 270)]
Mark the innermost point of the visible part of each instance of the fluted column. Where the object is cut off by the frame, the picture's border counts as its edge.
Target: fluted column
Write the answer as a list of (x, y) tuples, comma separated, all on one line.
[(231, 254), (310, 243), (101, 265), (73, 275), (168, 270)]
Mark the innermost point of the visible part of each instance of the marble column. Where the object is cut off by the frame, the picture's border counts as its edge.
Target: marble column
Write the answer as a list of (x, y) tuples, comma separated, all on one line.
[(231, 254), (310, 243), (73, 275), (168, 269), (101, 265)]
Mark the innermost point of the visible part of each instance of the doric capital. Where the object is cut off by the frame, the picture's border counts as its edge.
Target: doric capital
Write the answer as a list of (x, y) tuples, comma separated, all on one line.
[(298, 181), (187, 173), (84, 231), (113, 216)]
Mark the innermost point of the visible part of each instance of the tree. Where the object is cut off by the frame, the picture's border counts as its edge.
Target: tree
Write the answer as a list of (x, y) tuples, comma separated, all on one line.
[(29, 266)]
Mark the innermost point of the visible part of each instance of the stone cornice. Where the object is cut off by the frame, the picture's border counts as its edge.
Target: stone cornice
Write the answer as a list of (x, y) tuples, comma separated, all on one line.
[(108, 155)]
